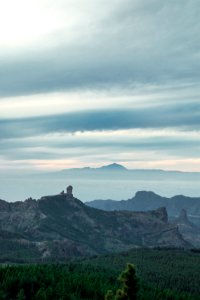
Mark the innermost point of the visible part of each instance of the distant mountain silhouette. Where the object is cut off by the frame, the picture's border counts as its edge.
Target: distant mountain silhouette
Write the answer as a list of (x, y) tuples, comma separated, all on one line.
[(112, 180), (110, 167), (113, 167), (120, 167), (147, 200)]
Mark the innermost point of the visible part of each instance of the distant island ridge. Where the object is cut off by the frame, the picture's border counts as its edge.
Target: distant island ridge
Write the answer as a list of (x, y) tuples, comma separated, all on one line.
[(119, 167), (112, 181), (113, 166)]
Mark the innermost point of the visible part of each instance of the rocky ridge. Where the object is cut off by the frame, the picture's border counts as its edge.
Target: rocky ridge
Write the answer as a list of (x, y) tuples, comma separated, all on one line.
[(147, 200), (189, 231), (61, 226)]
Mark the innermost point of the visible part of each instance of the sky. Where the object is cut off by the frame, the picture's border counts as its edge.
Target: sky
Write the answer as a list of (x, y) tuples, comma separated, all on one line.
[(89, 83)]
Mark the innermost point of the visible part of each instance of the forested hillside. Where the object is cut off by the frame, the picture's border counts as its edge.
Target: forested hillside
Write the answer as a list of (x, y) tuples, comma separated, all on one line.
[(163, 274)]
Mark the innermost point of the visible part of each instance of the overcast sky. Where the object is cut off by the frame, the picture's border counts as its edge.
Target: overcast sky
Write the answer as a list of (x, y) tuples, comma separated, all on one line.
[(88, 83)]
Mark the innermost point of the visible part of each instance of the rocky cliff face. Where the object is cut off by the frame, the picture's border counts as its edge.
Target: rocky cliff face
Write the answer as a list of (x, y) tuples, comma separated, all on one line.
[(189, 231), (61, 226)]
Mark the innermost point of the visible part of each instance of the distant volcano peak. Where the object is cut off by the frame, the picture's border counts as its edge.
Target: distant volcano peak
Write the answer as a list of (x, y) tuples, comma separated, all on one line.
[(113, 166)]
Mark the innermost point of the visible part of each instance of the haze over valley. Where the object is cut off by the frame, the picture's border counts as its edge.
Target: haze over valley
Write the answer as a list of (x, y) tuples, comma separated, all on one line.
[(108, 182)]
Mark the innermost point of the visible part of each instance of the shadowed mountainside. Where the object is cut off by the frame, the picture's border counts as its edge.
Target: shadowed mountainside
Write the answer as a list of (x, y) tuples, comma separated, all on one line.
[(61, 226), (189, 231), (144, 200), (183, 211)]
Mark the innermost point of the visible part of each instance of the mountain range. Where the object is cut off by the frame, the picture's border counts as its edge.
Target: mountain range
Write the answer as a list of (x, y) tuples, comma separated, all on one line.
[(182, 211), (147, 200), (61, 226), (113, 167)]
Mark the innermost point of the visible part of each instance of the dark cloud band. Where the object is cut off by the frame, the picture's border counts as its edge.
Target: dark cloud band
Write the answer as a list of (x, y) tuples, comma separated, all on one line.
[(185, 115)]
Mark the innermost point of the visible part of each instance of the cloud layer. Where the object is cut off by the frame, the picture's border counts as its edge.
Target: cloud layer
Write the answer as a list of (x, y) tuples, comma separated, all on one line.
[(88, 69), (120, 42)]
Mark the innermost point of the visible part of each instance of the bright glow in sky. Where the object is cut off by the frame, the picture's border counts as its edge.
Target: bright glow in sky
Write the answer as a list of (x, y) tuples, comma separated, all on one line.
[(25, 22)]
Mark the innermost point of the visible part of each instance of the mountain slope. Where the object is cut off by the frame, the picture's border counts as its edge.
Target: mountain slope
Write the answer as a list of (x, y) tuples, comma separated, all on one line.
[(190, 232), (143, 201), (62, 226)]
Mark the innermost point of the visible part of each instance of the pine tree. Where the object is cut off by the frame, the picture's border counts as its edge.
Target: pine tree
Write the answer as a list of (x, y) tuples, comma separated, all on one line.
[(21, 295), (41, 294), (130, 285), (109, 295)]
